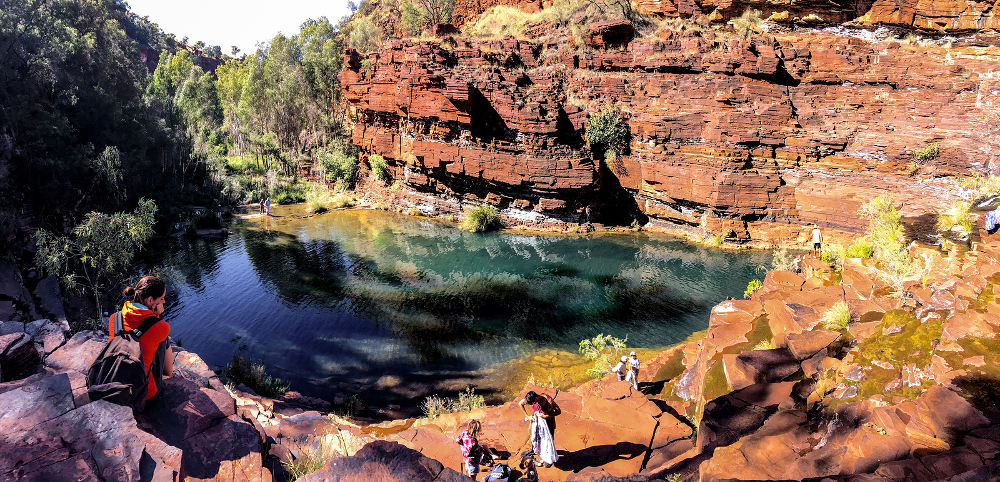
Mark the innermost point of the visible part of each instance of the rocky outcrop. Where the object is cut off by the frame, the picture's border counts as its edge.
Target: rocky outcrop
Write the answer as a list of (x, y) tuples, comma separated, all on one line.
[(745, 138), (50, 429), (933, 15)]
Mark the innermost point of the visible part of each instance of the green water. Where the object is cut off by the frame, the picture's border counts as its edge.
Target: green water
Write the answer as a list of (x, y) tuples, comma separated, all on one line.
[(395, 308)]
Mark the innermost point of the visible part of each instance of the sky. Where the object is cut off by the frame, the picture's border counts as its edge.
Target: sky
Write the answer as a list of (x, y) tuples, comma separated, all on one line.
[(242, 23)]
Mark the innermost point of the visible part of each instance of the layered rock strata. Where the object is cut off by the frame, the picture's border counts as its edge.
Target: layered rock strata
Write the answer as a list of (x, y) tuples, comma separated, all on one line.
[(729, 136)]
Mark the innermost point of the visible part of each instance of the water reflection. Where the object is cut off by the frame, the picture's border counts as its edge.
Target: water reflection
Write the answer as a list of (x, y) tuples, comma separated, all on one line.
[(371, 302)]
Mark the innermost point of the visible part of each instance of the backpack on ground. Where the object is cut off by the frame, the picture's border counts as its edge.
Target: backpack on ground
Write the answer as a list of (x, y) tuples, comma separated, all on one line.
[(118, 374), (500, 473)]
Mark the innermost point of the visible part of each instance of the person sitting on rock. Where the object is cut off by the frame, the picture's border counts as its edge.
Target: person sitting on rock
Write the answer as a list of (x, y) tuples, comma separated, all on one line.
[(470, 447), (146, 300)]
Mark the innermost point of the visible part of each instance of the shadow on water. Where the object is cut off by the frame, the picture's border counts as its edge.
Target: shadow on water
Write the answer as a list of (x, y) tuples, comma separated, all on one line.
[(395, 308)]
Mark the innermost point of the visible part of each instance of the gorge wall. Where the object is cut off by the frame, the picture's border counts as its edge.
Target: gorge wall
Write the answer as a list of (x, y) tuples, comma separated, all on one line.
[(743, 137)]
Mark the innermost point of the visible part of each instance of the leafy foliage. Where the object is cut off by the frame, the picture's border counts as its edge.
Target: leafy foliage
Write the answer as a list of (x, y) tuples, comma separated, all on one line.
[(928, 152), (364, 35), (752, 288), (379, 167), (99, 250), (956, 216), (482, 218), (242, 370), (604, 350), (434, 406), (436, 11), (747, 24), (885, 229), (859, 249), (411, 19), (836, 317), (607, 130)]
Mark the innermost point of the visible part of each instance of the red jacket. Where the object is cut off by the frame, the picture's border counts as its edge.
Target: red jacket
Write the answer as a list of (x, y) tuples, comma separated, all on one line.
[(132, 317)]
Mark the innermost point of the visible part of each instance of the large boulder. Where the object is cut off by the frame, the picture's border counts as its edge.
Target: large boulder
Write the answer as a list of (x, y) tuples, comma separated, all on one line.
[(99, 441), (383, 461), (18, 356), (202, 422)]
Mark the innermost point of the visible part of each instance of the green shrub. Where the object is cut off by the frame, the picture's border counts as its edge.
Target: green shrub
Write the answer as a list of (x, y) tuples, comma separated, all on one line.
[(957, 215), (481, 218), (782, 260), (747, 24), (860, 249), (716, 240), (885, 230), (927, 153), (380, 169), (243, 165), (242, 370), (318, 199), (752, 287), (434, 406), (836, 317), (290, 192), (982, 186), (412, 19), (604, 350), (607, 130), (364, 35), (338, 166), (832, 254), (313, 457)]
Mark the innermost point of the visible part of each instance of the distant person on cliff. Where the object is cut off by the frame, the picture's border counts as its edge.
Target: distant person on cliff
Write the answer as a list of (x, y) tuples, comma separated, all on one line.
[(470, 448), (633, 371), (817, 239), (544, 408), (621, 368), (141, 313)]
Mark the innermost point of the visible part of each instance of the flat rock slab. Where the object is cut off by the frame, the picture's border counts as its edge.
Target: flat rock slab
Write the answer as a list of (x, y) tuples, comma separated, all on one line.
[(806, 344), (99, 441), (32, 404), (78, 353), (382, 461)]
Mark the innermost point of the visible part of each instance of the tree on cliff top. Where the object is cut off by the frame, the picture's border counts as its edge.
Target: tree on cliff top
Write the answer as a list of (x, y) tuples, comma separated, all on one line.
[(437, 11)]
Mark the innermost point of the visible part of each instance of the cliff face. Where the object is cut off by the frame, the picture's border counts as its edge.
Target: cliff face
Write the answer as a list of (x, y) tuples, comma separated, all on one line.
[(730, 135)]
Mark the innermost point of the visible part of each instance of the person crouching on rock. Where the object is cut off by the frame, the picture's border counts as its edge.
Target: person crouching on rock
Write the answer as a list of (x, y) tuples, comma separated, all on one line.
[(146, 300), (469, 444)]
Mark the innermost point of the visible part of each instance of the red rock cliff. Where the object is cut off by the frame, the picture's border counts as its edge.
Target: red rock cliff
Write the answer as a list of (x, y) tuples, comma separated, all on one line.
[(734, 136)]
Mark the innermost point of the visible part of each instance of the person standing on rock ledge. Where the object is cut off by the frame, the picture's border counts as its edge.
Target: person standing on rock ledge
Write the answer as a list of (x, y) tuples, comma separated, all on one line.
[(817, 239), (146, 300), (633, 371), (547, 409)]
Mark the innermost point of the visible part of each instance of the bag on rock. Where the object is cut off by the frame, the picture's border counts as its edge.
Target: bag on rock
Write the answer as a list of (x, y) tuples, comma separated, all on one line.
[(118, 375), (500, 473)]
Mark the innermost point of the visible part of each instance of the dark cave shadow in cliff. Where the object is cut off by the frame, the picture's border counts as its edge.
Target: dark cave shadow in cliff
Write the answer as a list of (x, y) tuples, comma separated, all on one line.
[(485, 122), (617, 206)]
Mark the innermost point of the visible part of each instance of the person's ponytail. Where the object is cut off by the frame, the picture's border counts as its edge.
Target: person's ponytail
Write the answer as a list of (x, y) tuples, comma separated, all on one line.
[(147, 287)]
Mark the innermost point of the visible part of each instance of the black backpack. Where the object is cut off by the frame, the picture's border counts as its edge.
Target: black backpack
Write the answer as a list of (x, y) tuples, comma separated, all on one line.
[(118, 375)]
